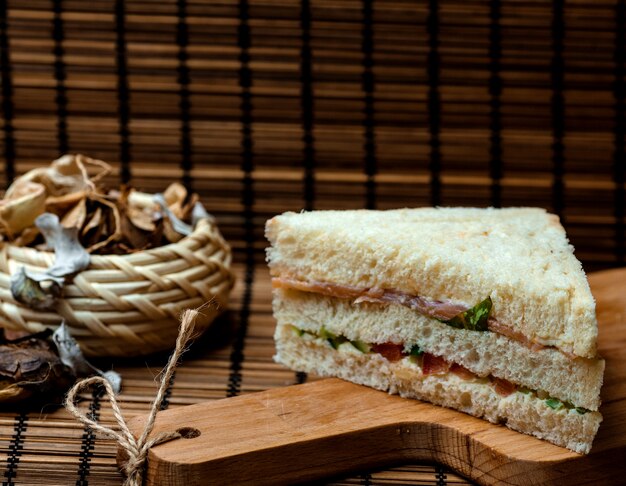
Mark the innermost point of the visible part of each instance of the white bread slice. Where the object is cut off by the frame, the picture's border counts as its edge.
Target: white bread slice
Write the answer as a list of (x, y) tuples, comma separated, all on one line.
[(522, 412), (577, 381), (518, 256)]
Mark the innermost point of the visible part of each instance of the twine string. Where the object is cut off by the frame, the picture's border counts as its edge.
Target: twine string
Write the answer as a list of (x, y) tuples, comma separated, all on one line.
[(136, 449)]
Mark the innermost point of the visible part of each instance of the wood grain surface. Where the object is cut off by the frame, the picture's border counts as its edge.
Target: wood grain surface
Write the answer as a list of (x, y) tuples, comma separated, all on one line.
[(328, 427)]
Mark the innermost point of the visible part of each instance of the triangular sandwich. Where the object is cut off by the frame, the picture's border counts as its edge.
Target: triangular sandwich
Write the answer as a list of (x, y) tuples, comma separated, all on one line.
[(486, 311)]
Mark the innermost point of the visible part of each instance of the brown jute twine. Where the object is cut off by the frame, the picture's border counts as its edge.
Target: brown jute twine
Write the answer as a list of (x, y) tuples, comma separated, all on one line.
[(137, 449)]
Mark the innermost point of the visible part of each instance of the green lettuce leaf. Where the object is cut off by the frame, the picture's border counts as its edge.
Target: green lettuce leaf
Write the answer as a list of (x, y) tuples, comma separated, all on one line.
[(474, 319), (332, 339), (361, 346), (299, 332), (554, 403), (326, 334)]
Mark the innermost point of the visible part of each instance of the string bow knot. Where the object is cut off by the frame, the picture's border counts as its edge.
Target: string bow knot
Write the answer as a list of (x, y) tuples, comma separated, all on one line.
[(136, 449)]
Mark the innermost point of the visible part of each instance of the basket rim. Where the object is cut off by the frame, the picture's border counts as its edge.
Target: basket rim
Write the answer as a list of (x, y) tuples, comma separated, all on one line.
[(203, 226)]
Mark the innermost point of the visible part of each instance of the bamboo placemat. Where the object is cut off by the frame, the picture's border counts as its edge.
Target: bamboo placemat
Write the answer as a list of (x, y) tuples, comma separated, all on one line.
[(269, 105), (47, 446)]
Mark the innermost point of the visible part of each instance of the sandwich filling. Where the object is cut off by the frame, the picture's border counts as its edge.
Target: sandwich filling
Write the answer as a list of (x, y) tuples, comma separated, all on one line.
[(455, 314), (430, 364), (402, 369)]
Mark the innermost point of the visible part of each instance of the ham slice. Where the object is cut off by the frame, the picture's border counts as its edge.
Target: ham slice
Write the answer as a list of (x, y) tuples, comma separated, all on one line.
[(431, 308), (437, 309), (328, 289)]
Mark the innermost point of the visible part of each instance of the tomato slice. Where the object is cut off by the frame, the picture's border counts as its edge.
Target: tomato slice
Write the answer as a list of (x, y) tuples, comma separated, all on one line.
[(434, 365), (503, 387), (461, 371), (391, 351)]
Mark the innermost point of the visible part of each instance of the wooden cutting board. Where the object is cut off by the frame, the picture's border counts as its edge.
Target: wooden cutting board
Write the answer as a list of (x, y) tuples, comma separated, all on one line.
[(331, 427)]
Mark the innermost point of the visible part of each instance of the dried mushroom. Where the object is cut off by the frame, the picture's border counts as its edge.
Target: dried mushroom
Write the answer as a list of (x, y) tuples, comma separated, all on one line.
[(70, 258), (31, 365), (65, 208), (42, 365), (19, 209), (72, 357)]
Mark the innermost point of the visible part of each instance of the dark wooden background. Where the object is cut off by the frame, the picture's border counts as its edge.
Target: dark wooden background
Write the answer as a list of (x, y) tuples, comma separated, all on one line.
[(264, 106)]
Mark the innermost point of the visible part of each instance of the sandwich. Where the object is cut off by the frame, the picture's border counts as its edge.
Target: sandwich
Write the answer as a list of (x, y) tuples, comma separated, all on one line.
[(486, 311)]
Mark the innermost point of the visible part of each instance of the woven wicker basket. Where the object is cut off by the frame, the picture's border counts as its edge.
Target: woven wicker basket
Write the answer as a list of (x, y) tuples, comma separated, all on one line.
[(128, 305)]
